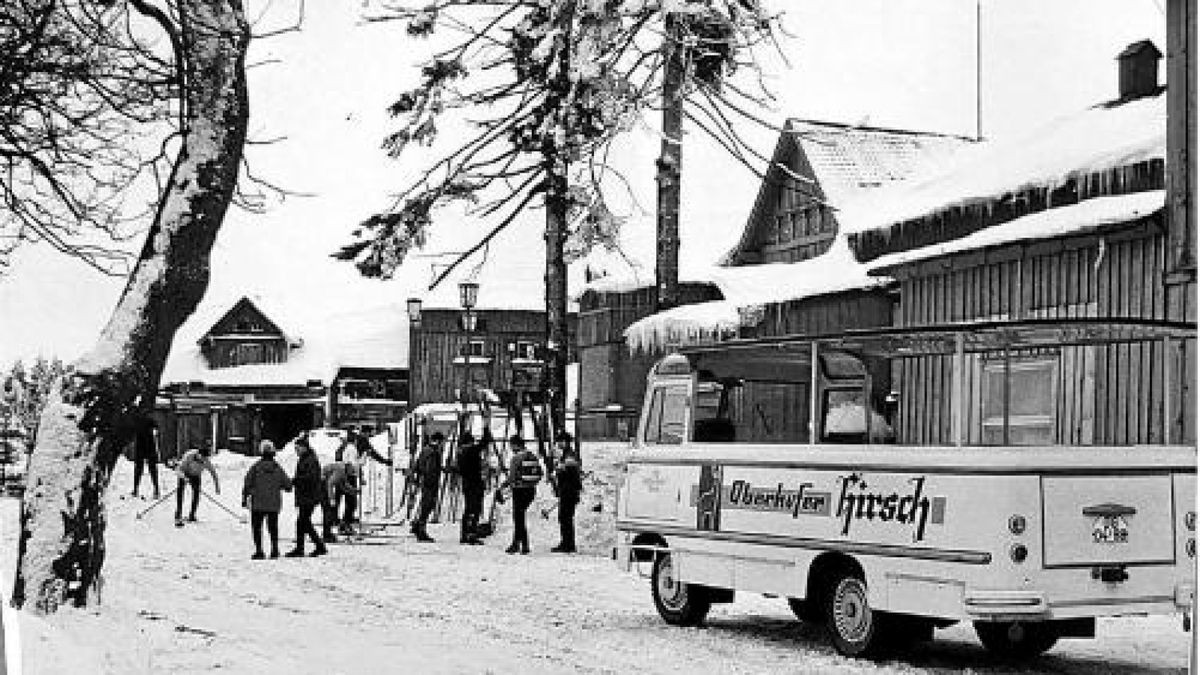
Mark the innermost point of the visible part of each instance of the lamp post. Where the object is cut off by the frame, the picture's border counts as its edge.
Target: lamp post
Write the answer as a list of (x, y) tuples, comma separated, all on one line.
[(413, 305), (468, 295)]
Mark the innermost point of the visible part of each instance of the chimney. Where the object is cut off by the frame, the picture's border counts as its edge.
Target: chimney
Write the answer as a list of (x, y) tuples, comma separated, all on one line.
[(1138, 70)]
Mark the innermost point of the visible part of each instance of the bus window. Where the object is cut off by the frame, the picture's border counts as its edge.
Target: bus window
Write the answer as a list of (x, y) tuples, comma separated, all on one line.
[(845, 421), (668, 412), (711, 422)]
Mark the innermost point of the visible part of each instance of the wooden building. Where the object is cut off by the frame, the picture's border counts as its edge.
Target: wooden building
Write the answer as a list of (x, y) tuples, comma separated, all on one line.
[(255, 372), (1049, 230), (787, 267), (502, 351)]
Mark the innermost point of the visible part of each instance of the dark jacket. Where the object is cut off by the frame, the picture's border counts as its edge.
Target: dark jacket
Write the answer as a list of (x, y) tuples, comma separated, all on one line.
[(145, 445), (470, 466), (569, 478), (429, 466), (307, 481), (265, 481), (525, 470)]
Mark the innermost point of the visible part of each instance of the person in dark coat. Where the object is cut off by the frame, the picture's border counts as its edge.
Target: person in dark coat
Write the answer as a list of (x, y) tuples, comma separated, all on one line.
[(524, 473), (262, 493), (470, 467), (145, 453), (568, 481), (307, 486), (429, 477)]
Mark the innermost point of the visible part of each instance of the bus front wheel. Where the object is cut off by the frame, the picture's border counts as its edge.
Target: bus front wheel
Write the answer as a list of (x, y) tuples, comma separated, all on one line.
[(854, 628), (1016, 640), (679, 603)]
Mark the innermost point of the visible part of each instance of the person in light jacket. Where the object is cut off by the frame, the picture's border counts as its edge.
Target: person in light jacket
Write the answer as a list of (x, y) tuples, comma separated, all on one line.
[(262, 493), (189, 471)]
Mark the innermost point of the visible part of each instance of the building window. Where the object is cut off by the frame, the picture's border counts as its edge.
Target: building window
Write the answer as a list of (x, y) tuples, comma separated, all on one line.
[(525, 350), (668, 412), (247, 354), (1029, 413), (474, 348)]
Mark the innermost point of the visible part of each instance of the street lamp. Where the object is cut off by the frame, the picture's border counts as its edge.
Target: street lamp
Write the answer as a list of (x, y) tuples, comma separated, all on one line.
[(413, 306), (468, 295), (414, 311)]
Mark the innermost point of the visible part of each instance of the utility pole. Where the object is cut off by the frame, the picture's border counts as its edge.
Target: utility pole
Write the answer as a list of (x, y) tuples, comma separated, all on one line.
[(670, 160)]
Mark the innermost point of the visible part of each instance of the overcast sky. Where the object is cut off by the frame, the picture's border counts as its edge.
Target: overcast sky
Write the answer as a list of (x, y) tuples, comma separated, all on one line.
[(906, 64)]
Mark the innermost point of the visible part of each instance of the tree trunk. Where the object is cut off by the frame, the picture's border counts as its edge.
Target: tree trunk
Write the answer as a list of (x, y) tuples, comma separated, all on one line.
[(88, 419), (556, 292), (670, 160)]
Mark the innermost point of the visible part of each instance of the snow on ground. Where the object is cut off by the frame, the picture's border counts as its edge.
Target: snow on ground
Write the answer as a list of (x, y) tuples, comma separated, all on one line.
[(191, 601)]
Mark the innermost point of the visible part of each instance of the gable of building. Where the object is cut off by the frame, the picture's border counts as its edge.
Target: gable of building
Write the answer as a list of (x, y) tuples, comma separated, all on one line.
[(816, 169)]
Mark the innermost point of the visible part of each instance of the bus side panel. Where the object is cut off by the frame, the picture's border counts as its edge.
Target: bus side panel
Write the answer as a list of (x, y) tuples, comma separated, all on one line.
[(660, 494)]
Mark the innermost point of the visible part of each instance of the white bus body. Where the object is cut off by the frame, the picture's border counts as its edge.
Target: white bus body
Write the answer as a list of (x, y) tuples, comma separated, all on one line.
[(883, 543)]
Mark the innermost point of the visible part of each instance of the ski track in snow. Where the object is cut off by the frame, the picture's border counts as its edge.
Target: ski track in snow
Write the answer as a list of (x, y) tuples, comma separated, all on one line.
[(191, 601)]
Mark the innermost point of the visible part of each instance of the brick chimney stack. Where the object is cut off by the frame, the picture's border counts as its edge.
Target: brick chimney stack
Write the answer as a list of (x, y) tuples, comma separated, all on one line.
[(1138, 70)]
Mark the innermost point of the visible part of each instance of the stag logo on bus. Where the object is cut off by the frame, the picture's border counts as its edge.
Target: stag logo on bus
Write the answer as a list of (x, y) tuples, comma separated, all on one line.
[(912, 507)]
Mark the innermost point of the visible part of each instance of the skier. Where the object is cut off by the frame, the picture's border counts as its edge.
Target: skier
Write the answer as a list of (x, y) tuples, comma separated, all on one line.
[(189, 471), (429, 476), (470, 467), (568, 481), (524, 473), (262, 494), (145, 453), (307, 484)]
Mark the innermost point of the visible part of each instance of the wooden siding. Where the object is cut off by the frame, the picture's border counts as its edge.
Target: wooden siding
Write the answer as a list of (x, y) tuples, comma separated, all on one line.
[(1104, 395), (440, 340)]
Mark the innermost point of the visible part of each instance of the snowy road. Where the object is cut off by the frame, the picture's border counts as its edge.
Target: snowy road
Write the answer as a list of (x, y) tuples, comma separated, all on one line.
[(191, 601)]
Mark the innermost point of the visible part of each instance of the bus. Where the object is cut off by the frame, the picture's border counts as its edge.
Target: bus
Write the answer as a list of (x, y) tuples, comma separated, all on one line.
[(770, 466)]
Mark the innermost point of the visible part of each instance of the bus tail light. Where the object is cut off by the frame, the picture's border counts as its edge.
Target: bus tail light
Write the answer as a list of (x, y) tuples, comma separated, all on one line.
[(1017, 524), (1018, 552)]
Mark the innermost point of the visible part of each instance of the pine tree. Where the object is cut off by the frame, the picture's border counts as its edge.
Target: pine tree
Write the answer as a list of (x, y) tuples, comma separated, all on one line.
[(558, 82)]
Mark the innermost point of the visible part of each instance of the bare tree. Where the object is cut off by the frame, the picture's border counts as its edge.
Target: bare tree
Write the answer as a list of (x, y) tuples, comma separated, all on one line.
[(74, 85), (558, 82), (88, 418)]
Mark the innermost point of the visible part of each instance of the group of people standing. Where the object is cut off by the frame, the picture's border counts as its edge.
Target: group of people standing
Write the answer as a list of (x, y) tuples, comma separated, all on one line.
[(524, 473), (338, 484), (262, 493)]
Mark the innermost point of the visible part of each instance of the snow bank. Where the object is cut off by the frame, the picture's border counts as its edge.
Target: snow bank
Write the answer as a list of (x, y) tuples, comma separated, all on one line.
[(1095, 140), (1064, 220)]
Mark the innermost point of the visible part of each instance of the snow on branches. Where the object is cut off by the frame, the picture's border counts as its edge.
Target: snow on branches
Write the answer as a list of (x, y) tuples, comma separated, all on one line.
[(559, 81)]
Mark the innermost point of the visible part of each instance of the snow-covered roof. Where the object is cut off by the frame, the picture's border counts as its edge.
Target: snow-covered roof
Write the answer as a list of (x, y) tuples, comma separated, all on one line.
[(1073, 219), (850, 160), (275, 313), (751, 285), (1100, 138), (370, 337), (844, 163)]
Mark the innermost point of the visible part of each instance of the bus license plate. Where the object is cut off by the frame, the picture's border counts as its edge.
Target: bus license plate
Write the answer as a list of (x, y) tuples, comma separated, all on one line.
[(1110, 530)]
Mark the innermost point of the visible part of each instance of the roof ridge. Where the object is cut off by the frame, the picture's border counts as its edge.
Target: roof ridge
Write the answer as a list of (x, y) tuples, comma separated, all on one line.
[(867, 127)]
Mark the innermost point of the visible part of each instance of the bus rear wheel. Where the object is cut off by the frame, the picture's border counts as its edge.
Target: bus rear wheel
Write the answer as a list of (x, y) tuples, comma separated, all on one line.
[(853, 627), (1016, 640), (678, 603)]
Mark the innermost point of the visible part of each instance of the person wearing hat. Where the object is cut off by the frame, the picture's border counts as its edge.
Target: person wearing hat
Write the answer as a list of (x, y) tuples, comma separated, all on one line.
[(262, 494), (307, 484), (524, 473), (429, 477)]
